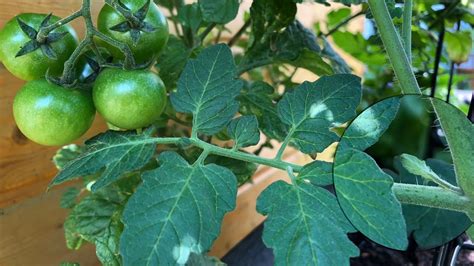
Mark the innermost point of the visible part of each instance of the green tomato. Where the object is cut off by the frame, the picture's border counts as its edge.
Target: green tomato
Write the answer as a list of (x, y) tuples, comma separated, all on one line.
[(149, 44), (52, 115), (129, 99), (34, 65)]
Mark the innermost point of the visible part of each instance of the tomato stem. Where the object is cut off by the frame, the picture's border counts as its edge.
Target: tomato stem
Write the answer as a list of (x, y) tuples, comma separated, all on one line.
[(429, 196), (393, 45), (406, 27), (44, 32), (87, 42)]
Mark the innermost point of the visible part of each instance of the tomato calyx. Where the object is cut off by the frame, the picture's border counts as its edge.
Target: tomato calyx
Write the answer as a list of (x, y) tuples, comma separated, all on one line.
[(34, 43), (135, 22)]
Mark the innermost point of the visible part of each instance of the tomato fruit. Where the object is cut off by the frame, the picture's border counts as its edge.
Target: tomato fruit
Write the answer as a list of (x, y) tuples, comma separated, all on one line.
[(52, 115), (34, 65), (129, 99), (149, 44)]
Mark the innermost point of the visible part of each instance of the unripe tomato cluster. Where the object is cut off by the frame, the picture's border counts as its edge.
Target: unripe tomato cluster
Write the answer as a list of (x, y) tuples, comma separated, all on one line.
[(51, 114)]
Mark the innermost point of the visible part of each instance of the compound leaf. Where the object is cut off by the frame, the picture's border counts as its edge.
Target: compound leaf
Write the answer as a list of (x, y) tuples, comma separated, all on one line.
[(305, 225), (459, 134), (69, 197), (242, 170), (369, 126), (207, 89), (221, 11), (313, 108), (365, 194), (117, 152), (177, 210), (244, 131), (317, 172), (257, 100), (431, 227)]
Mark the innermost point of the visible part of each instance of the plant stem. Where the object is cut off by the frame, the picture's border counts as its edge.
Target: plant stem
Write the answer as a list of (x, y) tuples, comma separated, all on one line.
[(247, 157), (88, 40), (43, 32), (239, 33), (429, 196), (394, 47), (285, 143), (206, 31), (243, 67), (406, 27), (342, 23)]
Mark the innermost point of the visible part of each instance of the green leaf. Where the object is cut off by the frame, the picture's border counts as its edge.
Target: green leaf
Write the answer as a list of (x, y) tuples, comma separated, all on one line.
[(365, 194), (418, 167), (107, 245), (190, 16), (257, 100), (293, 44), (312, 108), (336, 16), (311, 61), (177, 210), (269, 17), (68, 199), (91, 217), (171, 61), (370, 125), (337, 62), (319, 173), (458, 45), (459, 134), (219, 11), (207, 88), (66, 154), (117, 152), (244, 131), (242, 170), (431, 227), (356, 45), (305, 225)]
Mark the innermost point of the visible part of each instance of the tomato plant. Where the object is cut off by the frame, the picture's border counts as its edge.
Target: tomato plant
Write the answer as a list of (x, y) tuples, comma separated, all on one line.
[(156, 192)]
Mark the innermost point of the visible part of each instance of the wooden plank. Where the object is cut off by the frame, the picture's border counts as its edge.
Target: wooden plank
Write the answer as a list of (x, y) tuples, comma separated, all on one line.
[(32, 234)]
